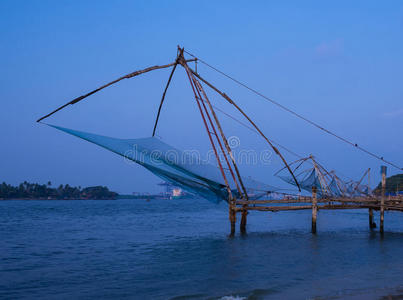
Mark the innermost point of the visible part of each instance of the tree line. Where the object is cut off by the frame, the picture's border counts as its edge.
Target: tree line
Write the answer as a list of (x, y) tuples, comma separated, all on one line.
[(28, 190), (393, 184)]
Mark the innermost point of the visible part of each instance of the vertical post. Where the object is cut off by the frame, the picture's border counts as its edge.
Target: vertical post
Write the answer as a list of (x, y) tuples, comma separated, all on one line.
[(371, 218), (370, 210), (383, 171), (314, 209), (242, 226), (232, 218)]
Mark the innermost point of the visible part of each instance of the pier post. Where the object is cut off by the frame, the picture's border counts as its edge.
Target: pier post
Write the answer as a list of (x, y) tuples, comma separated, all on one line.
[(370, 210), (371, 218), (242, 226), (383, 171), (232, 219), (314, 209)]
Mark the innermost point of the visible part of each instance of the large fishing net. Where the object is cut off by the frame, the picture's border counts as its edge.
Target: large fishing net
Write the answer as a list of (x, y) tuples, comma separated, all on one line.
[(310, 174), (180, 168)]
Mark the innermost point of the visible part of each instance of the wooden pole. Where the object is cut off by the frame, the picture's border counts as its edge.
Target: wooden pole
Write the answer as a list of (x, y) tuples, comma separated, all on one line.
[(127, 76), (372, 224), (232, 218), (371, 218), (242, 226), (225, 96), (314, 209), (165, 91), (231, 199), (383, 171), (242, 192)]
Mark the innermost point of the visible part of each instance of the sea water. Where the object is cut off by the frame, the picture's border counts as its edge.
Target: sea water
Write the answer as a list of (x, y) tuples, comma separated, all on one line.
[(179, 249)]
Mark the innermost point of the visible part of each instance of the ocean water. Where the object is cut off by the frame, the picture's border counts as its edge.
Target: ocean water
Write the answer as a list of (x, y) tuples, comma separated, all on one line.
[(179, 249)]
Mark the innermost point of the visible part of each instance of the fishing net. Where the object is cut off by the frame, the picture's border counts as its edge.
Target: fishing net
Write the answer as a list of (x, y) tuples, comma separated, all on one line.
[(354, 189), (335, 188), (180, 168), (307, 180), (310, 173)]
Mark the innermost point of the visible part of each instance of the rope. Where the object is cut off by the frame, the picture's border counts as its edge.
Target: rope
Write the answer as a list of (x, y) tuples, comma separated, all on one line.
[(252, 129), (274, 142), (296, 114)]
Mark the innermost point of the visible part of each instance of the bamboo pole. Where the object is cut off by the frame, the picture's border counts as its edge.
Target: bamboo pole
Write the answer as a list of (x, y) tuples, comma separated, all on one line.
[(232, 218), (325, 200), (242, 225), (314, 209), (242, 192), (274, 208), (372, 224), (371, 218), (226, 97), (342, 206), (130, 75), (165, 90), (319, 207), (383, 171), (196, 92)]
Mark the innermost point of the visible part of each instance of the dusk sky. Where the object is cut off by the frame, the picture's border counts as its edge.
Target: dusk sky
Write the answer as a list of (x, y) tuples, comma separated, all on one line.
[(338, 63)]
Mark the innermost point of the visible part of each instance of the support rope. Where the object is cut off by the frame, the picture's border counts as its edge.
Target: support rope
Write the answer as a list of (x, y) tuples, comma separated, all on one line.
[(297, 115)]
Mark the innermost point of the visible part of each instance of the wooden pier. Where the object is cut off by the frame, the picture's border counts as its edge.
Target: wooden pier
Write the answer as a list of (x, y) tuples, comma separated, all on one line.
[(371, 203)]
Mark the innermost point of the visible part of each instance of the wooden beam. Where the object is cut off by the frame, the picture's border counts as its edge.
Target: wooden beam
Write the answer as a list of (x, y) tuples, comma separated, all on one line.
[(383, 170), (314, 209), (343, 206), (301, 207), (364, 202), (371, 218), (250, 121), (130, 75), (165, 90), (274, 208), (243, 193)]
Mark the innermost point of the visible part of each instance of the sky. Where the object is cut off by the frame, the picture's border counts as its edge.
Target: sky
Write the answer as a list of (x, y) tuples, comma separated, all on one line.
[(339, 63)]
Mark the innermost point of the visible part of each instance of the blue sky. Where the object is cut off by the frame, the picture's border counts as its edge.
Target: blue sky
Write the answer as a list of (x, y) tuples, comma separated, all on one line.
[(340, 63)]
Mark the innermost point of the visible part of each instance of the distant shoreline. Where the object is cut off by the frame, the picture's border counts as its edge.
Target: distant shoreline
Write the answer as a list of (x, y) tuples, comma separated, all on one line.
[(56, 199), (35, 191)]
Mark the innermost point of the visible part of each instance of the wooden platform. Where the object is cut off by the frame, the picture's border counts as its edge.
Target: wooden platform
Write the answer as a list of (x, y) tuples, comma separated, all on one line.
[(381, 203), (391, 203)]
